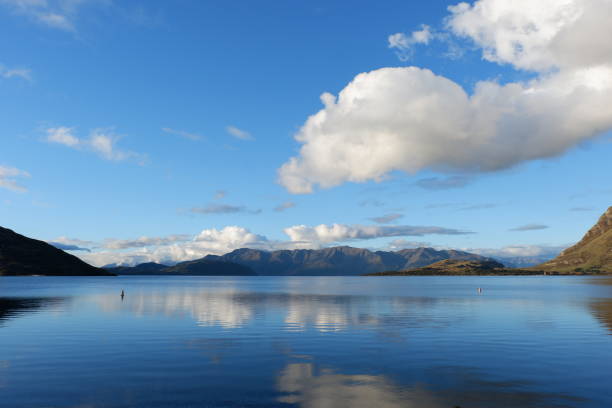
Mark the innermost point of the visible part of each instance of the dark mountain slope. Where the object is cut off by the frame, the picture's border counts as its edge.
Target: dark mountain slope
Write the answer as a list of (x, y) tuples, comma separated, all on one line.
[(209, 268), (593, 254), (148, 268), (20, 255)]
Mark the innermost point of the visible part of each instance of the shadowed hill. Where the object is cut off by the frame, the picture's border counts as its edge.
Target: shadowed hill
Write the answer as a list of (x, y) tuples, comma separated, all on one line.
[(21, 255), (199, 267), (593, 254), (147, 268), (456, 267)]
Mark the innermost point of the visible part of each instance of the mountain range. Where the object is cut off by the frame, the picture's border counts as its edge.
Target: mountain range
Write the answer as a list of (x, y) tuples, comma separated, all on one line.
[(336, 261), (203, 267)]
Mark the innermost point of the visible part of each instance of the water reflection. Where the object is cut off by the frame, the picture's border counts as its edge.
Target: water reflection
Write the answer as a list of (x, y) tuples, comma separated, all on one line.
[(223, 308), (15, 307), (602, 310), (232, 309), (304, 385)]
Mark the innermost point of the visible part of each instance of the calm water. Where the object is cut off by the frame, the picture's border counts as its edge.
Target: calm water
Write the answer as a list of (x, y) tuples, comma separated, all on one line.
[(422, 342)]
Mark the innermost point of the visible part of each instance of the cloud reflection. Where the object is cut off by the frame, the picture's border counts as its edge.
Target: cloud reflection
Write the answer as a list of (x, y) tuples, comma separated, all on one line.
[(304, 385), (231, 309)]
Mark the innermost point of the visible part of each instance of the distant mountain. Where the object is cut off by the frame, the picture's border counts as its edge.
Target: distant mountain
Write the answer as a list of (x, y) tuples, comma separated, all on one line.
[(148, 268), (199, 267), (522, 261), (336, 261), (209, 267), (21, 255), (459, 268), (593, 254)]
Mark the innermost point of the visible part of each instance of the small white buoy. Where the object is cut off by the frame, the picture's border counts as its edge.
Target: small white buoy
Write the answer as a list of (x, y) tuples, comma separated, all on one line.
[(479, 290)]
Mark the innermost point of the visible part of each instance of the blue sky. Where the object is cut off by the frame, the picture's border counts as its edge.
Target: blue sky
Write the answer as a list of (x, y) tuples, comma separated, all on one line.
[(142, 131)]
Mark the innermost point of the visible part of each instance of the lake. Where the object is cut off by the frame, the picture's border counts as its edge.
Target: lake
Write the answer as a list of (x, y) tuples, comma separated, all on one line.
[(422, 342)]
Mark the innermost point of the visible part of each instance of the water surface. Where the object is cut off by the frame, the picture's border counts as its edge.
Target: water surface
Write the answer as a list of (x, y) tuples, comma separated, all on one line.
[(422, 342)]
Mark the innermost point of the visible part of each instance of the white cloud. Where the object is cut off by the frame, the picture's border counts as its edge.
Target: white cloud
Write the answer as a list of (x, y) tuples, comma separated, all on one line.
[(219, 194), (56, 14), (239, 133), (400, 243), (519, 251), (101, 141), (537, 35), (143, 242), (15, 73), (183, 134), (178, 248), (410, 119), (63, 135), (223, 209), (444, 183), (404, 44), (8, 176), (284, 206), (387, 218), (327, 234), (53, 14), (530, 227)]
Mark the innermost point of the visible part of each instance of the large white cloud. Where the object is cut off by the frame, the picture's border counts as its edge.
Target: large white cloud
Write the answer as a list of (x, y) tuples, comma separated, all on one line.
[(537, 35), (410, 119)]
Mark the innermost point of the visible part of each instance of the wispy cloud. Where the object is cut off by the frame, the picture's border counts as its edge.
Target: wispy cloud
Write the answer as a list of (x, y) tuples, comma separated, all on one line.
[(371, 202), (219, 194), (68, 247), (183, 134), (529, 227), (404, 44), (239, 133), (9, 176), (143, 242), (399, 244), (55, 14), (284, 206), (444, 183), (474, 207), (582, 209), (102, 141), (223, 209), (325, 234), (22, 73), (387, 218)]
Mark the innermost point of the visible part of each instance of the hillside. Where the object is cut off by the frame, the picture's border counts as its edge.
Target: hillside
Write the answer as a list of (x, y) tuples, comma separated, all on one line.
[(593, 254), (21, 256), (459, 268), (147, 268), (198, 267), (208, 267), (337, 261)]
